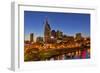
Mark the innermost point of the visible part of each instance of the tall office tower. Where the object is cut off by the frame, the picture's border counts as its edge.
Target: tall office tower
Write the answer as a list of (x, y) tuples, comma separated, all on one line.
[(47, 31), (31, 37)]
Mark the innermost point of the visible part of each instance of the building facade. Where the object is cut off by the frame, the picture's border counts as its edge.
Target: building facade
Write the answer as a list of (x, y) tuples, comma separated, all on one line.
[(47, 32), (31, 37)]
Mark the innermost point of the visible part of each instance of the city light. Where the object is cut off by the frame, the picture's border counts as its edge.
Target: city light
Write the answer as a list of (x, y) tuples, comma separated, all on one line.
[(55, 44)]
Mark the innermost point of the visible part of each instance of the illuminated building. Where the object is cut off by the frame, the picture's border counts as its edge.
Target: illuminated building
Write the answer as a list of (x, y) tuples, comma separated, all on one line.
[(31, 37), (53, 33), (78, 36), (67, 38), (59, 34), (47, 32), (39, 39), (53, 36)]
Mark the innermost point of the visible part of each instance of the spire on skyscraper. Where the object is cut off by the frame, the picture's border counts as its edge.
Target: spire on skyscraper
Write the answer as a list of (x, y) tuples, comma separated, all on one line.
[(46, 20), (47, 30)]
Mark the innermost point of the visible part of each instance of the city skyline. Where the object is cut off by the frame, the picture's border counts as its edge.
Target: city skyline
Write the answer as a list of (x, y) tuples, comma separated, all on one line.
[(68, 23)]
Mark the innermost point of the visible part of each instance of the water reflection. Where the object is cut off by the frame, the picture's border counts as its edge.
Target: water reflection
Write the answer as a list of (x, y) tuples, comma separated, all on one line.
[(81, 54)]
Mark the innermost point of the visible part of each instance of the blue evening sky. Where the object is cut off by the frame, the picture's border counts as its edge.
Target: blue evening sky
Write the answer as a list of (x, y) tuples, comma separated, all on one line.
[(68, 23)]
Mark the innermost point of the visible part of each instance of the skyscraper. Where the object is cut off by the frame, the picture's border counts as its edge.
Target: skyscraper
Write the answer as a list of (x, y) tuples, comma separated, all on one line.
[(31, 37), (47, 31), (78, 36), (53, 33), (59, 34)]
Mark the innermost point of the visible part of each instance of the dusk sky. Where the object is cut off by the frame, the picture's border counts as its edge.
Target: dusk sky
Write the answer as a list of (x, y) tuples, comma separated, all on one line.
[(68, 23)]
